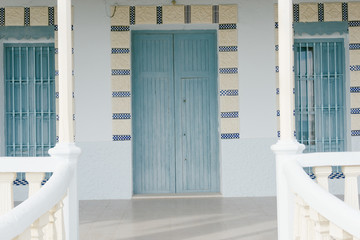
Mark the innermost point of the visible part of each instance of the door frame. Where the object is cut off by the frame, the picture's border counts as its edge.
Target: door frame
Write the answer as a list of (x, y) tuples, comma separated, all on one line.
[(218, 122)]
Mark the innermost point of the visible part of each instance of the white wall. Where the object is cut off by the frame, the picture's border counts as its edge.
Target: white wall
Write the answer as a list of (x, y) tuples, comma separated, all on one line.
[(105, 167)]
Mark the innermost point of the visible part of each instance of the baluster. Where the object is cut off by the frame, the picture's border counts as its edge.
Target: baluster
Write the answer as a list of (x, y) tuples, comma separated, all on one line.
[(6, 192), (297, 221), (304, 220), (338, 233), (34, 180), (59, 221), (351, 185), (351, 195), (321, 224)]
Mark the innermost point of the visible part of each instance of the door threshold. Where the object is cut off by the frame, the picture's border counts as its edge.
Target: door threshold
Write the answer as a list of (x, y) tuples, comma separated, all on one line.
[(176, 195)]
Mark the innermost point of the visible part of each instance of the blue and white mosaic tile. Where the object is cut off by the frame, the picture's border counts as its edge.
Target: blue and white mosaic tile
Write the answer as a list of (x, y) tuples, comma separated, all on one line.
[(51, 16), (228, 70), (120, 50), (354, 89), (229, 114), (231, 92), (121, 116), (296, 12), (27, 16), (354, 46), (121, 137), (228, 49), (159, 15), (320, 12), (2, 16), (355, 111), (121, 94), (344, 8), (230, 136), (336, 175), (227, 26), (355, 132), (215, 13), (120, 28), (120, 72), (354, 68), (354, 23)]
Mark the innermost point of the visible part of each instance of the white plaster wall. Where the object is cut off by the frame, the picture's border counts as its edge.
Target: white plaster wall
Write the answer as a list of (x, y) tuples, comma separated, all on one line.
[(105, 167)]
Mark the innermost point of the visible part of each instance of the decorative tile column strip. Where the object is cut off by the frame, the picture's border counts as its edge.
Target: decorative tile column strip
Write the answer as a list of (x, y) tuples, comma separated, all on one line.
[(276, 25), (354, 54), (228, 71), (125, 16), (120, 68)]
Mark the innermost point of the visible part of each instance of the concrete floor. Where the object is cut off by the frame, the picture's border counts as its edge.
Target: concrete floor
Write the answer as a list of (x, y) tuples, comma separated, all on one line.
[(213, 218)]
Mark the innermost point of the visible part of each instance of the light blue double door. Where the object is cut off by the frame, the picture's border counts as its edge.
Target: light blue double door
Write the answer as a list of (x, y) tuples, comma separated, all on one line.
[(174, 106)]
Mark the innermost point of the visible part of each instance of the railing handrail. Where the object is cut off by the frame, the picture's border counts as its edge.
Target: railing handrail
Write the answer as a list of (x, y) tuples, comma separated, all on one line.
[(20, 218), (328, 159), (319, 199), (28, 164)]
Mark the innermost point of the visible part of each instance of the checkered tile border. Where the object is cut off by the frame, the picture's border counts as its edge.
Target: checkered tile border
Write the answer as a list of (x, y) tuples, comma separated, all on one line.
[(119, 72)]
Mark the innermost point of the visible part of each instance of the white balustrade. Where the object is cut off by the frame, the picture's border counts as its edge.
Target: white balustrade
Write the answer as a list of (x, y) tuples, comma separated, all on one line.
[(316, 213), (41, 216)]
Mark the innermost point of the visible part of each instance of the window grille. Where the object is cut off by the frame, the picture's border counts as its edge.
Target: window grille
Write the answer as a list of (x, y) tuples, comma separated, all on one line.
[(319, 94), (30, 116)]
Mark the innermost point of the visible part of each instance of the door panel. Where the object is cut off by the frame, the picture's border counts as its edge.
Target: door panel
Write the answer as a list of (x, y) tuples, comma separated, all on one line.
[(153, 120), (175, 124), (196, 105)]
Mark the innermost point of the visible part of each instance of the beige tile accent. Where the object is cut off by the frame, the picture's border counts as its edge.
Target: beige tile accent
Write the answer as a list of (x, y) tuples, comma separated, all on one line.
[(120, 61), (355, 121), (229, 103), (55, 15), (354, 57), (230, 125), (308, 12), (56, 39), (57, 62), (201, 14), (277, 58), (276, 36), (229, 81), (354, 34), (57, 128), (354, 100), (121, 105), (228, 14), (332, 12), (276, 13), (354, 11), (121, 83), (121, 126), (14, 16), (354, 78), (277, 77), (228, 37), (228, 59), (145, 15), (56, 83), (120, 39), (121, 16), (57, 105), (39, 16), (173, 14)]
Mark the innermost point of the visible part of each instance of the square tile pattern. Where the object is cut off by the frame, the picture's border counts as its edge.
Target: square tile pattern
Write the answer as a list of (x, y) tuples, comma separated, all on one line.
[(226, 18), (333, 12), (37, 16), (195, 218)]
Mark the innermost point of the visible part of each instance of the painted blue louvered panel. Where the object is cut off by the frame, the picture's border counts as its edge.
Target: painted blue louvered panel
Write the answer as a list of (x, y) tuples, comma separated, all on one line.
[(153, 117), (197, 168), (169, 67), (29, 99)]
